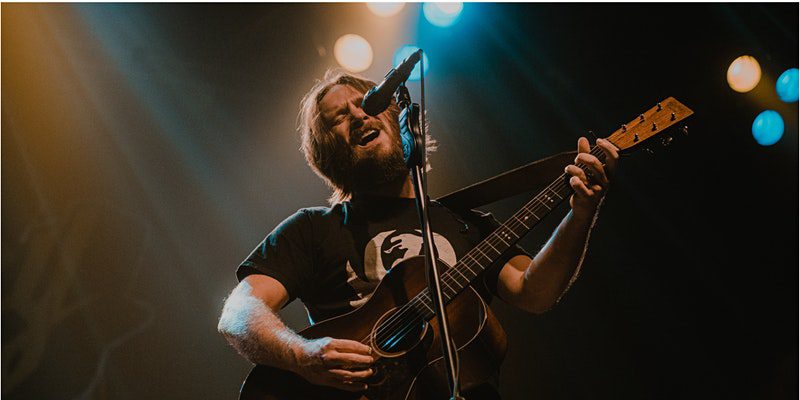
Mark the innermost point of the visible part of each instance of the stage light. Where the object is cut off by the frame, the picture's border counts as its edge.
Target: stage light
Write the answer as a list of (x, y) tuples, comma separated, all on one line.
[(787, 85), (385, 9), (744, 74), (353, 52), (768, 128), (442, 14), (403, 52)]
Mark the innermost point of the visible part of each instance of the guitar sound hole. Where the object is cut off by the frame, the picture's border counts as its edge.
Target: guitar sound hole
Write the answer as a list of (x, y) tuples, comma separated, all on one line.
[(396, 336)]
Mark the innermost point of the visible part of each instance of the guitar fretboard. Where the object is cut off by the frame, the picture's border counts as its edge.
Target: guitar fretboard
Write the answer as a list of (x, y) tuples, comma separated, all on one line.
[(477, 260)]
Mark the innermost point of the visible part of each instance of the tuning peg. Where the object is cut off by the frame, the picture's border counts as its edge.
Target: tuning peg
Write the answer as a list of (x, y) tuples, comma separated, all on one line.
[(624, 128), (635, 137), (641, 117), (672, 117), (654, 126), (658, 106)]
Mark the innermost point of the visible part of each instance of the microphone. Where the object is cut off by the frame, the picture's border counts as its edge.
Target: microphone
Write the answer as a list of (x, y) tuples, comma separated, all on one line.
[(379, 97)]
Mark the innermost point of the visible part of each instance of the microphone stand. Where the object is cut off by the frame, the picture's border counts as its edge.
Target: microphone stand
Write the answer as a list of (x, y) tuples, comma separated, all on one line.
[(413, 132)]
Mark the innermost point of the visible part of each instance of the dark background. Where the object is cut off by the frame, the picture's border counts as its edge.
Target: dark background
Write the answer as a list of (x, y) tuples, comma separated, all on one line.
[(148, 148)]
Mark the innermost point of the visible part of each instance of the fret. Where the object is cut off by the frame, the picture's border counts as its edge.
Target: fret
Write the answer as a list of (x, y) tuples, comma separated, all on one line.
[(542, 202), (555, 193), (506, 231), (445, 286), (471, 275), (459, 272), (501, 239), (456, 273), (478, 247), (424, 301), (523, 224), (505, 236), (468, 268), (565, 192), (472, 258)]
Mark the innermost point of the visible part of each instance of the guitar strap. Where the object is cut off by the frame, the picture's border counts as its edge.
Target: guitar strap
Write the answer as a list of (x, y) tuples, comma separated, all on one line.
[(534, 177)]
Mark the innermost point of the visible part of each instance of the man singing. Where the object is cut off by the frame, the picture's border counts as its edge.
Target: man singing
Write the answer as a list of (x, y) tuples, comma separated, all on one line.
[(332, 258)]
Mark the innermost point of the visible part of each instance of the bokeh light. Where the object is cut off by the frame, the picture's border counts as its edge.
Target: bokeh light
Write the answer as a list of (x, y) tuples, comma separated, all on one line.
[(768, 128), (442, 14), (404, 52), (744, 74), (385, 9), (786, 86), (353, 52)]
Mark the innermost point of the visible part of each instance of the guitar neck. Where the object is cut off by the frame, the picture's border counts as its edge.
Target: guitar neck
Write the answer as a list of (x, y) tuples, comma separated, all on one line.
[(477, 260)]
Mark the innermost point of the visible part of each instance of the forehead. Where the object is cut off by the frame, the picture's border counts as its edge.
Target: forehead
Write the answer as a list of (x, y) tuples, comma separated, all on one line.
[(338, 96)]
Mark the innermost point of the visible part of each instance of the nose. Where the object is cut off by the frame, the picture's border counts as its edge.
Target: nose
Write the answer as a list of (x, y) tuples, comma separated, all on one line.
[(357, 112), (357, 116)]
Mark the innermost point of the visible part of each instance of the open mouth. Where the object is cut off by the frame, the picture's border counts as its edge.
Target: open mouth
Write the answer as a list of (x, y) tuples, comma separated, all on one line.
[(369, 136)]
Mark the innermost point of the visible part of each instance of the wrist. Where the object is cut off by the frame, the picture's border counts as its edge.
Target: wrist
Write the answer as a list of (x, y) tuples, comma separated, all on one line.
[(583, 215), (297, 354)]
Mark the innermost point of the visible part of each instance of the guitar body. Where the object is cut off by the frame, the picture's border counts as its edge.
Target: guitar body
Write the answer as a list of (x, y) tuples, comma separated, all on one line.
[(413, 369)]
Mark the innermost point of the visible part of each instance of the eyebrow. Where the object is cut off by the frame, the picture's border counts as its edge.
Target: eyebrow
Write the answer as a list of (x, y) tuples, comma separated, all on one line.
[(342, 108)]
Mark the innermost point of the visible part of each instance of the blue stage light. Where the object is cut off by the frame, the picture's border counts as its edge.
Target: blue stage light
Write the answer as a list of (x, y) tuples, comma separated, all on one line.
[(768, 128), (442, 14), (403, 52), (787, 85)]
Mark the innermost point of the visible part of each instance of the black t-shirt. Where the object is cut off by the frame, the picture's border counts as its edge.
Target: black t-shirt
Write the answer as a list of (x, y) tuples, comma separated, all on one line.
[(333, 258)]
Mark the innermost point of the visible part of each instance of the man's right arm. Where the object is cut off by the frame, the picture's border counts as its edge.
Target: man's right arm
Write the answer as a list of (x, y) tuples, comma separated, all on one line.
[(250, 324)]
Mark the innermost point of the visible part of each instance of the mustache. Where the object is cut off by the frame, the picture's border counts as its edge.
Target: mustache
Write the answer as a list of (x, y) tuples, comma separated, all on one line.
[(358, 132)]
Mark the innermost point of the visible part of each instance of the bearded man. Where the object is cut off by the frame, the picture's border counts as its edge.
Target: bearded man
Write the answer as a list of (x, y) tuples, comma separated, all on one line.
[(332, 258)]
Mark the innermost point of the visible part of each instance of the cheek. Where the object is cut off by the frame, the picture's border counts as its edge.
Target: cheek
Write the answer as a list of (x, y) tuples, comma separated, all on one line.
[(391, 127), (341, 133)]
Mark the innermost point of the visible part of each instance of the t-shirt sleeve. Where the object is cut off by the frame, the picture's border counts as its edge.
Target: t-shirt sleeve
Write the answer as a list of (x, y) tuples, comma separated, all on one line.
[(286, 255), (486, 224)]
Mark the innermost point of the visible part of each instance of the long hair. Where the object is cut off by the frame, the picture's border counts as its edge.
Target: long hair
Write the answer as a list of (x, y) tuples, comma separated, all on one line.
[(319, 143)]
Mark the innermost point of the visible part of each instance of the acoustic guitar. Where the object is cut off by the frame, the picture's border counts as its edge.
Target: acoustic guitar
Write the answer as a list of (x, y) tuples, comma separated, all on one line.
[(398, 320)]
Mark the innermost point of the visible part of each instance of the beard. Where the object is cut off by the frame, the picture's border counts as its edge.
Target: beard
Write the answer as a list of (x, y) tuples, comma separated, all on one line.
[(378, 169), (355, 171)]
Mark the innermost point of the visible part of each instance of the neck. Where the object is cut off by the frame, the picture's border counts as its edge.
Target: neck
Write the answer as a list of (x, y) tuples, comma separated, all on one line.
[(402, 187)]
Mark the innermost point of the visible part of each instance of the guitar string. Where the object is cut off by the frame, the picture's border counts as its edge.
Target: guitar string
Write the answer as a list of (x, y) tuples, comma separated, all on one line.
[(387, 327), (401, 315), (408, 322)]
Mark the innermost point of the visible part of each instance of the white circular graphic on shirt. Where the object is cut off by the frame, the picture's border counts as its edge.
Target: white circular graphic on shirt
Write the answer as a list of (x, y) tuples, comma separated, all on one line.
[(388, 249)]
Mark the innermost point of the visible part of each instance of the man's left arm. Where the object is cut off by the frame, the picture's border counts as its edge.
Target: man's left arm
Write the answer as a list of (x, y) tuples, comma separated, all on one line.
[(536, 285)]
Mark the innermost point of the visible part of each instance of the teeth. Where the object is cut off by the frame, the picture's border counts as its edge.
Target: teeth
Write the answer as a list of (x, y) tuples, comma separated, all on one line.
[(368, 135)]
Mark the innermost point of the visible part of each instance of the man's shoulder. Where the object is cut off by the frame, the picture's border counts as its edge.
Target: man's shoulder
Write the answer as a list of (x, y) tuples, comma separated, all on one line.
[(323, 211), (310, 220), (315, 211), (335, 213)]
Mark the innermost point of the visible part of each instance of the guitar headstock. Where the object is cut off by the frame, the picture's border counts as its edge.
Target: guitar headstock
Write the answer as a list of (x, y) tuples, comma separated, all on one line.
[(649, 124)]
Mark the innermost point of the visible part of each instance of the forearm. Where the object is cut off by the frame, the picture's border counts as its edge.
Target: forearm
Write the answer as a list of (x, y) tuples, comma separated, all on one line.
[(556, 266), (257, 333)]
